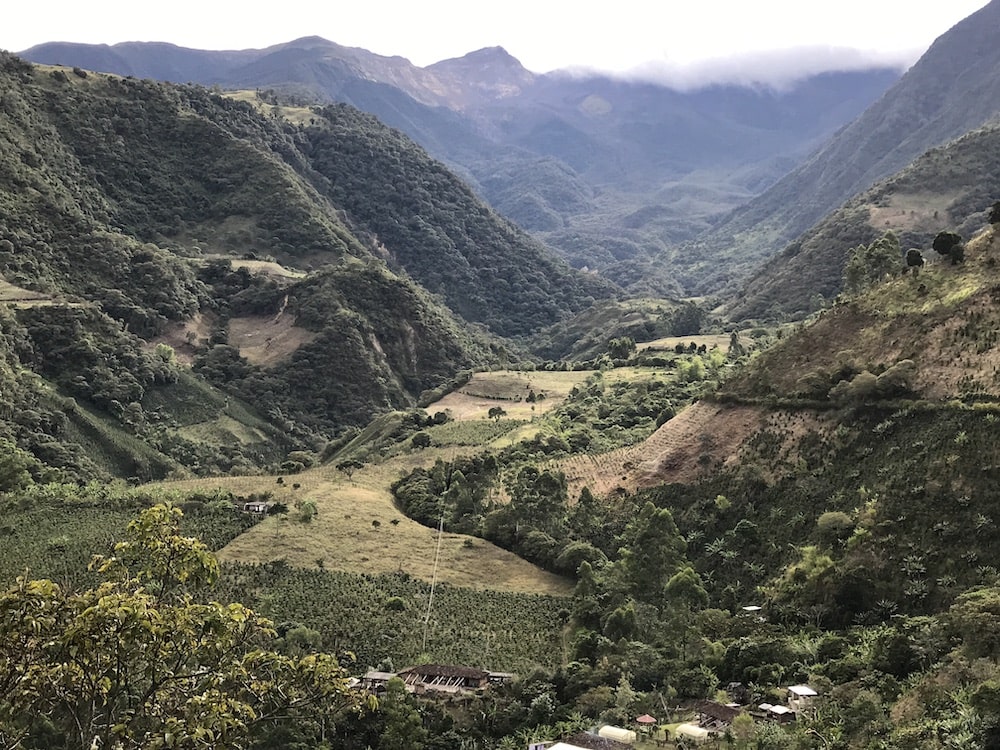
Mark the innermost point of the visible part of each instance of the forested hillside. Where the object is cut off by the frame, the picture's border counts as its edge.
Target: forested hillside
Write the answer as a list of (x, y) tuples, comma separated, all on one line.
[(950, 91), (949, 188), (611, 172), (140, 227)]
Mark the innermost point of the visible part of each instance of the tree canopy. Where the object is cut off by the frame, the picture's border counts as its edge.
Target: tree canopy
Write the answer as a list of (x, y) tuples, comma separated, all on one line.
[(139, 661)]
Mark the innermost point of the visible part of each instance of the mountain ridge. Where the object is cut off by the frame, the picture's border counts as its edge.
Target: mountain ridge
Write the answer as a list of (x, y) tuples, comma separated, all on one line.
[(665, 163), (952, 89)]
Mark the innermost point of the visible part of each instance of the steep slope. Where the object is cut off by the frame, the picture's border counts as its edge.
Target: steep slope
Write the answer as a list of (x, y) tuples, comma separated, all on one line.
[(949, 188), (952, 89), (847, 473), (129, 211), (486, 269), (610, 172)]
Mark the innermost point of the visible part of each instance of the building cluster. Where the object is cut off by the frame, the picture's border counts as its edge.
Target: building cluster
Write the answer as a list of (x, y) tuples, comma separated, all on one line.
[(712, 720), (436, 678)]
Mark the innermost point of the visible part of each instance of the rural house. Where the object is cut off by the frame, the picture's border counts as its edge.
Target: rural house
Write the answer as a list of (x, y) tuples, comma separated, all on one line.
[(801, 698), (444, 678)]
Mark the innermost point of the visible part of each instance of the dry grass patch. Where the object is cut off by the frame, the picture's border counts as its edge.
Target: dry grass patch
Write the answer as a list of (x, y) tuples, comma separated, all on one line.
[(11, 293), (222, 431), (357, 529), (185, 337), (296, 115), (670, 343), (267, 339), (508, 389), (914, 212), (700, 437), (269, 268)]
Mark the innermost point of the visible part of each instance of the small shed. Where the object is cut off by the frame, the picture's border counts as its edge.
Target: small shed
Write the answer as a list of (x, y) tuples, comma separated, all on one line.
[(646, 723), (375, 682), (618, 734), (778, 713), (801, 697), (716, 716), (692, 732)]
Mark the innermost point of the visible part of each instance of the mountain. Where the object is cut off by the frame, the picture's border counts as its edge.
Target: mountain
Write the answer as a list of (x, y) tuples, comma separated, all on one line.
[(196, 285), (821, 509), (612, 173), (952, 89), (949, 188)]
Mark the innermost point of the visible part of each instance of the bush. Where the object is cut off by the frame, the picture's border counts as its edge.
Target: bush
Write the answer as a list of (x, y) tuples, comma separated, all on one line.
[(834, 526)]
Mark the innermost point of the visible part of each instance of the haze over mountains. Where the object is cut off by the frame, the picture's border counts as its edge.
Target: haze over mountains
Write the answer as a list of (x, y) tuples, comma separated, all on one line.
[(660, 190), (953, 89), (611, 173)]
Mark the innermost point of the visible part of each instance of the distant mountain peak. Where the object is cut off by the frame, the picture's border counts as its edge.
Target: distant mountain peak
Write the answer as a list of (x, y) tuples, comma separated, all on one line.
[(304, 41), (491, 55), (492, 71), (487, 57)]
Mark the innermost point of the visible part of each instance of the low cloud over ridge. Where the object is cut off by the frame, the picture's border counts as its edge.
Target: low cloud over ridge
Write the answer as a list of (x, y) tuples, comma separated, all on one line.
[(777, 69)]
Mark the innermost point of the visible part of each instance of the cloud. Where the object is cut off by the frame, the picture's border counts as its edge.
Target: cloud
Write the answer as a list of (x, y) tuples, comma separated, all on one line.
[(778, 69)]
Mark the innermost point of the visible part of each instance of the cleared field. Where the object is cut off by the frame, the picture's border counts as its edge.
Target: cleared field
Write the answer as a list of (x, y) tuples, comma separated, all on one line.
[(267, 339), (269, 268), (701, 435), (185, 336), (720, 340), (11, 293), (509, 390), (357, 529)]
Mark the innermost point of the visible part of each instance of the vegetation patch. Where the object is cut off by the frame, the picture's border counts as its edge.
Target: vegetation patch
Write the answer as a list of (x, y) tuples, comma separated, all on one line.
[(266, 340)]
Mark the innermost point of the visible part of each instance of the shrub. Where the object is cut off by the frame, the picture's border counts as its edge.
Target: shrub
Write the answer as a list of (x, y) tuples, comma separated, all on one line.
[(834, 526)]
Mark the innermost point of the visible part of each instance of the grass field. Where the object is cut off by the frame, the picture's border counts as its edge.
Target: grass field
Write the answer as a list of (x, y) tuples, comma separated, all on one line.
[(11, 293), (508, 389), (357, 529), (710, 340)]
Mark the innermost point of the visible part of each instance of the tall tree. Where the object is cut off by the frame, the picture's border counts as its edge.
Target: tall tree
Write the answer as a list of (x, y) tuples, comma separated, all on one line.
[(138, 662), (870, 265), (402, 728), (654, 550)]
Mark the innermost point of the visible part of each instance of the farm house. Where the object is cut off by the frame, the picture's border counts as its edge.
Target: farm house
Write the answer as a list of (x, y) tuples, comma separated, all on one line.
[(801, 698), (444, 678)]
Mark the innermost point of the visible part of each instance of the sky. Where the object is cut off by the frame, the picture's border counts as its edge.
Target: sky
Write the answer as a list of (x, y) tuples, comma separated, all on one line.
[(693, 40)]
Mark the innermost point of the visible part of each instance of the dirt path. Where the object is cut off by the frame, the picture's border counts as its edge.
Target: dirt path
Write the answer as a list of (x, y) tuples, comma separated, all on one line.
[(701, 436)]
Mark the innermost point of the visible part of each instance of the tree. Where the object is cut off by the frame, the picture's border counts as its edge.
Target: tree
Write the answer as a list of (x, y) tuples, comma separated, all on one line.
[(686, 595), (654, 551), (14, 466), (349, 466), (496, 412), (401, 728), (914, 259), (994, 217), (621, 348), (870, 265), (421, 440), (139, 662), (949, 244), (687, 320), (736, 348)]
